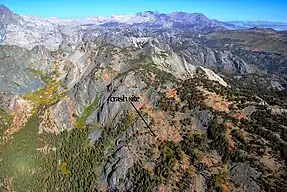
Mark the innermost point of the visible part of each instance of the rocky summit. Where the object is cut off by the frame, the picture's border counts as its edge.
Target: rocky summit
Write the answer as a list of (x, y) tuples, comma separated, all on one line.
[(144, 102)]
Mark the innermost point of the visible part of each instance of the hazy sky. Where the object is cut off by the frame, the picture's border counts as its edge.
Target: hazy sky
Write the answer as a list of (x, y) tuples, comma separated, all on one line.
[(225, 10)]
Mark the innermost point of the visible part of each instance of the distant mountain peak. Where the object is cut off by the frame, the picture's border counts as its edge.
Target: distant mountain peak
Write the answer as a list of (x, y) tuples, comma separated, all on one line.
[(5, 10), (6, 15), (184, 13), (262, 29), (2, 7), (148, 13), (188, 16)]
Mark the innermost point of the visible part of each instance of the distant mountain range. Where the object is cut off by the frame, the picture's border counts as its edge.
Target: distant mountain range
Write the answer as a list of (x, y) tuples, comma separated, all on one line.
[(175, 19), (279, 26), (151, 19), (28, 31)]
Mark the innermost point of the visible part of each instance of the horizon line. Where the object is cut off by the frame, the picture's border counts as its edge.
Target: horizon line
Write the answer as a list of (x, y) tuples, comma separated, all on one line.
[(129, 14)]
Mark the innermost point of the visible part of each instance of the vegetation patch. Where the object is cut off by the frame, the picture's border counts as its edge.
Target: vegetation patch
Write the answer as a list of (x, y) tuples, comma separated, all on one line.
[(74, 165), (5, 121), (81, 121), (154, 77), (20, 159), (47, 78), (219, 181), (45, 97), (143, 179)]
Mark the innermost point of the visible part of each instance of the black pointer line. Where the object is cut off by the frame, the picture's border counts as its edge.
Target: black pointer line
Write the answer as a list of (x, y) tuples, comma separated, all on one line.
[(143, 119), (113, 91), (108, 100)]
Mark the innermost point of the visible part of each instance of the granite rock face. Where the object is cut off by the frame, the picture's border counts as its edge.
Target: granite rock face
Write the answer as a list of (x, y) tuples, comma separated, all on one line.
[(15, 76), (245, 177)]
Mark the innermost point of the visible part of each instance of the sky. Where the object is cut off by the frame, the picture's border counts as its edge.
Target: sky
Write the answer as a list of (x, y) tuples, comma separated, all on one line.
[(224, 10)]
